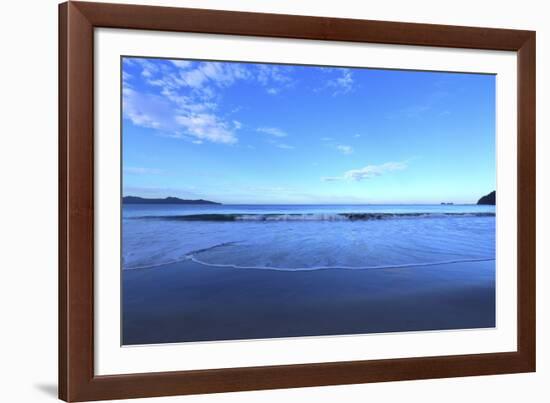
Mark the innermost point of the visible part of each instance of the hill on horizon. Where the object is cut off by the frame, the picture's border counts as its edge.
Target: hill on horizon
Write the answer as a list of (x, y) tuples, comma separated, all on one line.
[(166, 200)]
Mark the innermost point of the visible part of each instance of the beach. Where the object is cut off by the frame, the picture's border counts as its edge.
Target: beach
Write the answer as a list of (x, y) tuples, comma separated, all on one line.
[(186, 301)]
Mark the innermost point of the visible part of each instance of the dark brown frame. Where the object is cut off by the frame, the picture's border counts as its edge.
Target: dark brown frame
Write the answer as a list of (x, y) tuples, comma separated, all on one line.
[(77, 381)]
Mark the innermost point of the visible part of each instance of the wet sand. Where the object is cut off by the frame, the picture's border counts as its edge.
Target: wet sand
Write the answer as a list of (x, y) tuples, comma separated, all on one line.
[(187, 301)]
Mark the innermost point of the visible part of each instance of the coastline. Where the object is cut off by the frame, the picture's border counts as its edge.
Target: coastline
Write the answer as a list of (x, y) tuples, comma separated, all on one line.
[(186, 301)]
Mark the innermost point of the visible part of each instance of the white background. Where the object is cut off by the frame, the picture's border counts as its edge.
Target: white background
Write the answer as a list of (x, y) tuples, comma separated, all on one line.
[(28, 166)]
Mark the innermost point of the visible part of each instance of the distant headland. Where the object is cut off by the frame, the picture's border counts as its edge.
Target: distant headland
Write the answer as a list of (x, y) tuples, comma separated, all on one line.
[(167, 200), (489, 199)]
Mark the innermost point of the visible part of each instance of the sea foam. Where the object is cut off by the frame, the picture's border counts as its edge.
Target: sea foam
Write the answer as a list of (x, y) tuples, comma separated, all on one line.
[(307, 238)]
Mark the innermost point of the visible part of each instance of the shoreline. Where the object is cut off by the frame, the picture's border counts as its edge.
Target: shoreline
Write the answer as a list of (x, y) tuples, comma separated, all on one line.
[(187, 302), (316, 268)]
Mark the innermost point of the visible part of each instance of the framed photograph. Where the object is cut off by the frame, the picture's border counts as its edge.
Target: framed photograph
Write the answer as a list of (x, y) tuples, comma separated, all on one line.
[(256, 201)]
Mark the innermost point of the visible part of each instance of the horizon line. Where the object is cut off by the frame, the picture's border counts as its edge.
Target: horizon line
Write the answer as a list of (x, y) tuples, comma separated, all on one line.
[(311, 203)]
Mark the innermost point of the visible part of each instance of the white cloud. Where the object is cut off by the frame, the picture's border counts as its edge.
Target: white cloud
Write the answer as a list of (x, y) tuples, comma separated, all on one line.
[(344, 149), (176, 119), (340, 85), (181, 101), (140, 109), (148, 68), (125, 77), (182, 97), (274, 78), (270, 73), (187, 103), (284, 146), (343, 84), (209, 127), (368, 172), (356, 136), (273, 131), (216, 73)]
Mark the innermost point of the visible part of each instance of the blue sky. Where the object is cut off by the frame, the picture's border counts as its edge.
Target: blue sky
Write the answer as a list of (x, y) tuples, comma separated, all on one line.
[(266, 133)]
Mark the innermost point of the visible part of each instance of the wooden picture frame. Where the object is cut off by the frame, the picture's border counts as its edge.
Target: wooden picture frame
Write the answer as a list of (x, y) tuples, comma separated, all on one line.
[(77, 380)]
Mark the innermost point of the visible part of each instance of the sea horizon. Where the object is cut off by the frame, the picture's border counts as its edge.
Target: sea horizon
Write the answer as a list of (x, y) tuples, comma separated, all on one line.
[(322, 204)]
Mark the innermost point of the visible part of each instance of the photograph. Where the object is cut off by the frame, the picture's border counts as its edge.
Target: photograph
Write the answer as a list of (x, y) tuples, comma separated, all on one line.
[(269, 200)]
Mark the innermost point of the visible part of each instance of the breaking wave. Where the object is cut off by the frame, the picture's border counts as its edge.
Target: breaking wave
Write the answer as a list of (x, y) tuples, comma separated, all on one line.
[(311, 216)]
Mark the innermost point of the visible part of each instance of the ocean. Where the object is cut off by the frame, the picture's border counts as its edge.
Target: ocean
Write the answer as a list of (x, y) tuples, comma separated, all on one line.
[(306, 237), (237, 272)]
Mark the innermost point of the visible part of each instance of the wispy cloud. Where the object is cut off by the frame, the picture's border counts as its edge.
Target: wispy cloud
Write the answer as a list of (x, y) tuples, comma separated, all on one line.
[(368, 172), (342, 84), (142, 109), (275, 136), (182, 115), (339, 80), (274, 78), (332, 144), (273, 131), (126, 77), (148, 69), (180, 97), (165, 108), (213, 73), (344, 149), (207, 127)]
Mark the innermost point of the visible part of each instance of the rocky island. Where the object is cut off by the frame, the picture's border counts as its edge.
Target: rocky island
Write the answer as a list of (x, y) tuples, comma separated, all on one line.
[(489, 199)]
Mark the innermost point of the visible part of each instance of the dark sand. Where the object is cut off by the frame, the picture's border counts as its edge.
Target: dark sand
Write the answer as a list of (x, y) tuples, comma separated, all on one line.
[(189, 302)]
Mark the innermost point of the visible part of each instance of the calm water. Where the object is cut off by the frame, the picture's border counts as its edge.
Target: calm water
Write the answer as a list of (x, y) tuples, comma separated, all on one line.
[(307, 237)]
